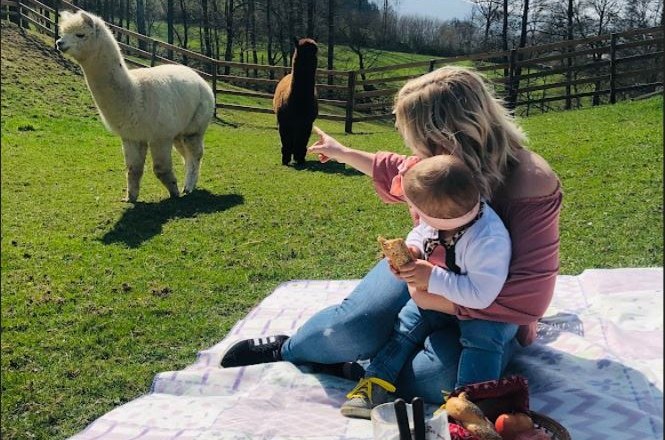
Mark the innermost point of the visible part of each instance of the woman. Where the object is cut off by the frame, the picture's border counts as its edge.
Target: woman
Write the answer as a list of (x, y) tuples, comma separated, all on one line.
[(448, 111)]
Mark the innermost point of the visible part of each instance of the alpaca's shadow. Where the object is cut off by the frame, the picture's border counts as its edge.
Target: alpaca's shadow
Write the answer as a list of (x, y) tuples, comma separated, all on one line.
[(143, 221), (331, 167)]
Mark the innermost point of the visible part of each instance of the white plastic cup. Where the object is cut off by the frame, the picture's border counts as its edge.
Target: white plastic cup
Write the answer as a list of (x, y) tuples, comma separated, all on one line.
[(384, 423)]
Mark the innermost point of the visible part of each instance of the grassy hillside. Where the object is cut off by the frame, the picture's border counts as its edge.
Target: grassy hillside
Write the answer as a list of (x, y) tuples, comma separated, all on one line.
[(99, 295)]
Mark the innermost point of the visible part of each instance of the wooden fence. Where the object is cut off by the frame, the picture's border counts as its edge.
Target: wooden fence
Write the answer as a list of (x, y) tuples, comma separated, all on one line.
[(564, 75)]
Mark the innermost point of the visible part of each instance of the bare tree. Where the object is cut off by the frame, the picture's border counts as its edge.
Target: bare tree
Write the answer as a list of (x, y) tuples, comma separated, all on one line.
[(229, 8), (331, 40), (271, 57), (205, 18), (251, 12), (311, 11), (643, 13), (141, 22), (169, 25), (184, 39), (489, 12), (517, 71), (504, 30)]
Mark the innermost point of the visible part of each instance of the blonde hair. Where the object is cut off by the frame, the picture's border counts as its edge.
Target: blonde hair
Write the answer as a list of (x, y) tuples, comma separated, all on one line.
[(441, 186), (452, 111)]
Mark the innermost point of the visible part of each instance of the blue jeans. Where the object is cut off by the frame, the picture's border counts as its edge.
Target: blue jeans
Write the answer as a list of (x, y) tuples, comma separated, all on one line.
[(482, 343), (362, 324)]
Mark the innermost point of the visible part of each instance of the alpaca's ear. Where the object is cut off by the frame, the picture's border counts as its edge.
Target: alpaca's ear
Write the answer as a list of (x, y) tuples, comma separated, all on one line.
[(87, 19)]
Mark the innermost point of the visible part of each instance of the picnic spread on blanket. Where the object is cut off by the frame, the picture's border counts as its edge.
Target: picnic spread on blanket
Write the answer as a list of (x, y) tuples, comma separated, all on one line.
[(596, 368)]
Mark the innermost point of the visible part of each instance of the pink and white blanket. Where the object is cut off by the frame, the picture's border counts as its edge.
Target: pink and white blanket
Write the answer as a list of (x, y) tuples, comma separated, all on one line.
[(597, 368)]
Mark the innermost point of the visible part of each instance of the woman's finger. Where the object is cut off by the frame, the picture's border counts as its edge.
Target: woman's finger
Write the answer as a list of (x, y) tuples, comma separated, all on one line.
[(319, 132)]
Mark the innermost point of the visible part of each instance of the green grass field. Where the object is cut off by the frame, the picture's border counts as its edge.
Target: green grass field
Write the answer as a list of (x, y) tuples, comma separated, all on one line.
[(99, 295)]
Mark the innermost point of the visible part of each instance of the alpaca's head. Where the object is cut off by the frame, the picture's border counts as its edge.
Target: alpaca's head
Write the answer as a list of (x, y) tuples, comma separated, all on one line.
[(80, 34), (304, 57), (306, 47)]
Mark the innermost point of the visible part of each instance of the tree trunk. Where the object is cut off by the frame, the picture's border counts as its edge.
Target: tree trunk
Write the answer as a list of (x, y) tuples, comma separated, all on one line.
[(569, 61), (169, 26), (331, 42), (228, 54), (299, 20), (504, 35), (127, 19), (291, 27), (517, 71), (384, 25), (140, 22), (207, 43), (215, 28), (252, 33), (311, 11), (185, 29), (271, 57)]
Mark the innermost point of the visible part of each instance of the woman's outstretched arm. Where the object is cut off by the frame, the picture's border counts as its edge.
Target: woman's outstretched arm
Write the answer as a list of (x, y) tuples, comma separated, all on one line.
[(328, 148)]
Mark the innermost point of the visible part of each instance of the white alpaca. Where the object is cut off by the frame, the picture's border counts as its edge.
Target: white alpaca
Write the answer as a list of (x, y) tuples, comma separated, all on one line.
[(152, 108)]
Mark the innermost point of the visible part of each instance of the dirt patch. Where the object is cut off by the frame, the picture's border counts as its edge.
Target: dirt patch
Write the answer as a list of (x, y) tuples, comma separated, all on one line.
[(38, 82), (21, 43)]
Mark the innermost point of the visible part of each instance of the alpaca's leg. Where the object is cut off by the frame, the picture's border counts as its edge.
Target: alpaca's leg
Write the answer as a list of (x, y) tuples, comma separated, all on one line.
[(162, 165), (300, 143), (287, 143), (135, 153), (192, 152)]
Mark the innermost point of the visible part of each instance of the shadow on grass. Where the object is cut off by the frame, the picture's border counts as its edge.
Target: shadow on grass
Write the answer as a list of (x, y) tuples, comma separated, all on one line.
[(331, 167), (143, 221), (220, 121)]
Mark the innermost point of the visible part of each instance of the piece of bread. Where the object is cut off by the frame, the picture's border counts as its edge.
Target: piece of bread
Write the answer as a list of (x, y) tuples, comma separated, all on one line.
[(471, 417), (396, 251)]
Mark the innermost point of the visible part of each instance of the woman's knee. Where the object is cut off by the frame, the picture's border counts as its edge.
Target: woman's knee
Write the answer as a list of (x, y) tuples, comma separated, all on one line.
[(357, 327)]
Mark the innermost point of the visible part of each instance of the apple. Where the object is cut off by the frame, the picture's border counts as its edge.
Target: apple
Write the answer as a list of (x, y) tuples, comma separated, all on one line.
[(509, 425)]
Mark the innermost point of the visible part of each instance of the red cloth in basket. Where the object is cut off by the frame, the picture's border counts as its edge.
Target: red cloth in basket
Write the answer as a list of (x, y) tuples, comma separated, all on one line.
[(494, 397)]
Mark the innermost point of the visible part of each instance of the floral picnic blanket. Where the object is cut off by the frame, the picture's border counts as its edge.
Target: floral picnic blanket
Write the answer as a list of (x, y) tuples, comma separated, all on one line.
[(596, 367)]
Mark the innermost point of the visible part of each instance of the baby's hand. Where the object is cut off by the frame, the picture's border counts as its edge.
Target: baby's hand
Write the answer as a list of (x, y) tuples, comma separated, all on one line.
[(417, 273), (415, 252)]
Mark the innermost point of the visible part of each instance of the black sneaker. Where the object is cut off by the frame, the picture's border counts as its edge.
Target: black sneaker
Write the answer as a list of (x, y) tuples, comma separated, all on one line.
[(347, 370), (254, 351)]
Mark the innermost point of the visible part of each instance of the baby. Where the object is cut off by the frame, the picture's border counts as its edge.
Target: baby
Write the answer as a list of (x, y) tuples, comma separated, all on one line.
[(462, 251)]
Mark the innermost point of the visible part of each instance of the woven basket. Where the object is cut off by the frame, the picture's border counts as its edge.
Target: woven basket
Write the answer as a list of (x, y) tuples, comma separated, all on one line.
[(550, 426)]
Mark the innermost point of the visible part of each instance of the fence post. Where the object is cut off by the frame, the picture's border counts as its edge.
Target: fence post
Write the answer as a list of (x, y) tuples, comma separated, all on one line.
[(511, 97), (214, 85), (153, 57), (56, 7), (350, 98), (613, 68), (569, 78), (21, 22), (431, 65)]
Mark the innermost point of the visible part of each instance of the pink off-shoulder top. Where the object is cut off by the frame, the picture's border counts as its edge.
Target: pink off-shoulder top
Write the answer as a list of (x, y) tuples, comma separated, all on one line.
[(533, 224)]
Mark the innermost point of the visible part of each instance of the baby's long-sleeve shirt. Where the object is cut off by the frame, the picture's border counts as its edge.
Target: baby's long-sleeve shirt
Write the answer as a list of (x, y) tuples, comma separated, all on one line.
[(533, 224), (483, 255)]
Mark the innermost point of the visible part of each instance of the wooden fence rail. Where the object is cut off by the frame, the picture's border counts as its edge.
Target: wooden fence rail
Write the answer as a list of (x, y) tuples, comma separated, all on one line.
[(572, 73)]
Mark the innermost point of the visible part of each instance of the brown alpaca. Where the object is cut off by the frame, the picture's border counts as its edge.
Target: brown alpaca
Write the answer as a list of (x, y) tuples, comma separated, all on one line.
[(295, 103)]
